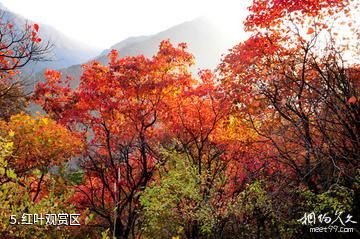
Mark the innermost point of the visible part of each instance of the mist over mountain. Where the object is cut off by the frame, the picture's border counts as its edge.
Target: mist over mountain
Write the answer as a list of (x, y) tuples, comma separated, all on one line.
[(64, 52), (125, 43), (205, 40)]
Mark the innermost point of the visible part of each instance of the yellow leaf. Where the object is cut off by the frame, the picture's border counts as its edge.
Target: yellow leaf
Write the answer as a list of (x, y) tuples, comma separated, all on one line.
[(11, 133), (10, 174), (45, 120)]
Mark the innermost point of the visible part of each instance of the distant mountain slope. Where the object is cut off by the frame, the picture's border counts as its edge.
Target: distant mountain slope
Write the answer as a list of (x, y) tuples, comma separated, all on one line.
[(65, 51), (125, 43), (205, 40)]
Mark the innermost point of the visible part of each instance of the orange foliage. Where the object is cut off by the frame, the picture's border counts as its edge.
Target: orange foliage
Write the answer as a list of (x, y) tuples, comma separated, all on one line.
[(39, 142)]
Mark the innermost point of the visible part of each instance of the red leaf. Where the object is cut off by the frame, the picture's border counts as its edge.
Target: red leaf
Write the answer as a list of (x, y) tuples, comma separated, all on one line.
[(352, 100), (36, 27)]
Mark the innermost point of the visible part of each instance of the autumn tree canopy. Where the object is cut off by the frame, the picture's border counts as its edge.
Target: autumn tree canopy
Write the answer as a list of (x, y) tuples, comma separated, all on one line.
[(156, 151)]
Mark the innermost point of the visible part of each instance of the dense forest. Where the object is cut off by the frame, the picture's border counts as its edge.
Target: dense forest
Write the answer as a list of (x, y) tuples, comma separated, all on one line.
[(267, 145)]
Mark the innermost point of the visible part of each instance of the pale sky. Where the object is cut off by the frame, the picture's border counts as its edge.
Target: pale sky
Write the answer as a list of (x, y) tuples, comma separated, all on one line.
[(103, 23)]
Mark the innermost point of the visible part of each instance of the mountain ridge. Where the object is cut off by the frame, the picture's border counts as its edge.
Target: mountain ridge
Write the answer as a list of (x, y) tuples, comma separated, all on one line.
[(204, 40)]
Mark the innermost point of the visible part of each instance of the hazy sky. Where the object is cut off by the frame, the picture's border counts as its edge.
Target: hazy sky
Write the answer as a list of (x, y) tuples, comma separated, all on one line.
[(106, 22)]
